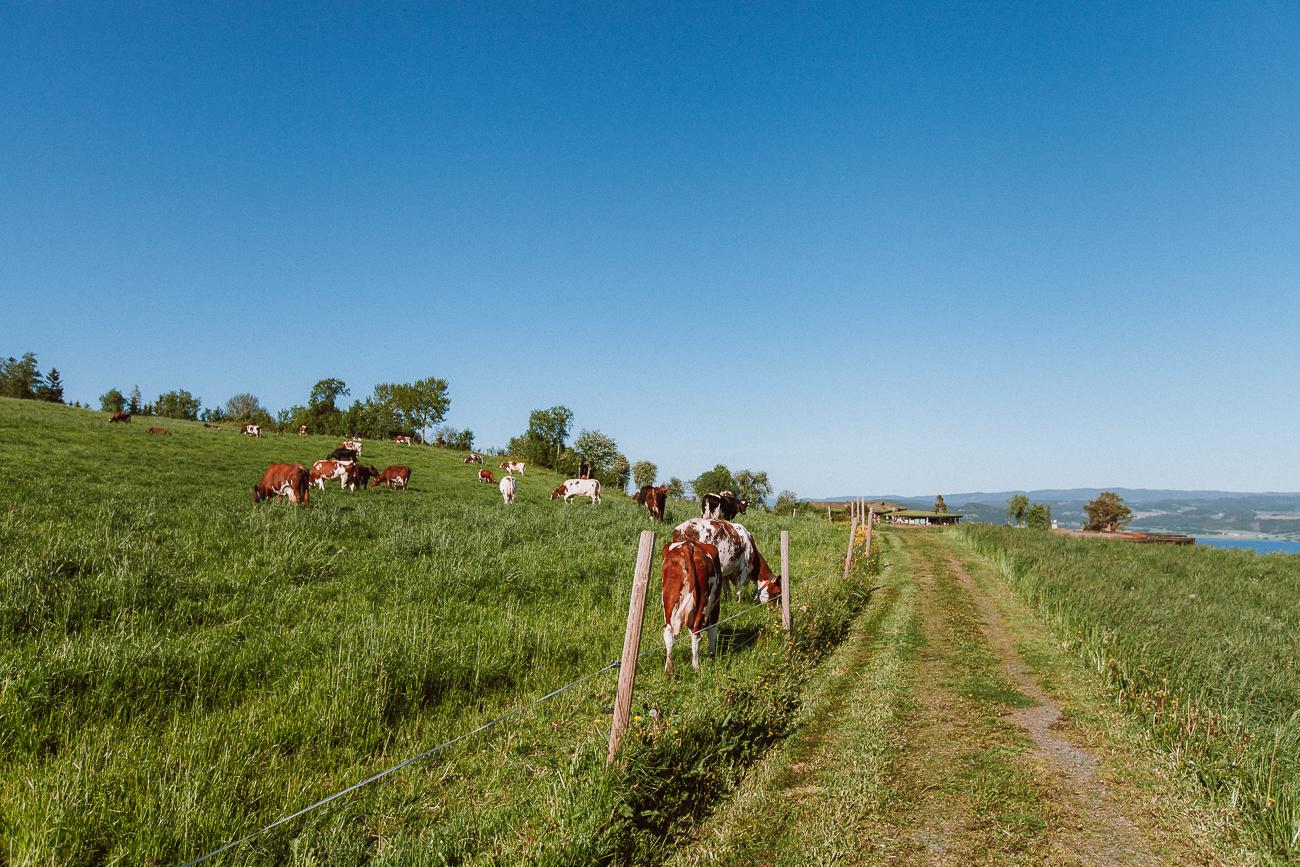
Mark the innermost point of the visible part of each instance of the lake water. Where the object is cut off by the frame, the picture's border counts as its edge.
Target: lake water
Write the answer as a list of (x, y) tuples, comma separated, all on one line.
[(1261, 546)]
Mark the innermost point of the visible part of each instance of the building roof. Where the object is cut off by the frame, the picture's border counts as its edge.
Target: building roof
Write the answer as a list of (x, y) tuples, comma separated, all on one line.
[(919, 513)]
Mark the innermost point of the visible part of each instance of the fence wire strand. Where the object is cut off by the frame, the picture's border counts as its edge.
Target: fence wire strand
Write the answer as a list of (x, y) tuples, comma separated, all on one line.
[(513, 712)]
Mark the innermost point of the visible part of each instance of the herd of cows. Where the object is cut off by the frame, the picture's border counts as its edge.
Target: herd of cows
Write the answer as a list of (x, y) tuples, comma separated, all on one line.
[(705, 556)]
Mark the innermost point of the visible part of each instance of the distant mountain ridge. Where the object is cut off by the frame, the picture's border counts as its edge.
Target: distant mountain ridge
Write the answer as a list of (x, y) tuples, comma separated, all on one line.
[(1273, 513), (1132, 496)]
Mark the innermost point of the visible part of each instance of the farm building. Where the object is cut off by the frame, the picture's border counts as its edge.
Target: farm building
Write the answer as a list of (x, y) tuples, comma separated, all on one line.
[(920, 517)]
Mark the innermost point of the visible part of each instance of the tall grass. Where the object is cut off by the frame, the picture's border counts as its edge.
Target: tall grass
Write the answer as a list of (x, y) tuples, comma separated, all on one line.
[(179, 666), (1202, 644)]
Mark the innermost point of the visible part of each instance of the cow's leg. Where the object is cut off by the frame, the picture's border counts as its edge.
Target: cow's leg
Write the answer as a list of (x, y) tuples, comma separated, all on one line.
[(668, 650), (695, 651), (713, 640)]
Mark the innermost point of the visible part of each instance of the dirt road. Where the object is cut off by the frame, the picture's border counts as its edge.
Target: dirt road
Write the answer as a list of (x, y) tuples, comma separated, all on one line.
[(952, 729)]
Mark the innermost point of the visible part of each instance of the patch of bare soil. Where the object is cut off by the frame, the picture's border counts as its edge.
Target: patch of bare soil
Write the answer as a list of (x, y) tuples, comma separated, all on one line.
[(1095, 830)]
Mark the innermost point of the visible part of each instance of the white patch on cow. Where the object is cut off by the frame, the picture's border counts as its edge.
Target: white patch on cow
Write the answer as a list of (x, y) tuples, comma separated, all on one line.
[(737, 551), (582, 488), (507, 488)]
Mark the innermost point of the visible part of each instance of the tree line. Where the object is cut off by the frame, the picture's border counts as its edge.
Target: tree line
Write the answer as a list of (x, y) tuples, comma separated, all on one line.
[(1107, 513), (22, 378)]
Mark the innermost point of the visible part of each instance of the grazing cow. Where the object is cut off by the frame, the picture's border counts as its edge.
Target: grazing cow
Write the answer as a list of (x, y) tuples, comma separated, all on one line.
[(739, 556), (486, 476), (507, 488), (351, 445), (653, 499), (358, 475), (512, 467), (346, 456), (474, 458), (302, 430), (394, 477), (402, 439), (725, 505), (161, 431), (692, 582), (251, 430), (578, 488), (323, 471), (119, 417), (283, 480)]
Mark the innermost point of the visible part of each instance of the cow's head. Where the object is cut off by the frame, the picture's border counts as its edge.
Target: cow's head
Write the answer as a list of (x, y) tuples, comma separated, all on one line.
[(258, 494), (769, 585), (558, 492)]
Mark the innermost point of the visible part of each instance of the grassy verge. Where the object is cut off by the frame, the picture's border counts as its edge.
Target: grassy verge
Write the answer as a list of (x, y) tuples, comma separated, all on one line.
[(1199, 645)]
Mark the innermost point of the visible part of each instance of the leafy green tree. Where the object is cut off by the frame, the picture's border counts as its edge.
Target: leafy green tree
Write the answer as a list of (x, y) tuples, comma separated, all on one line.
[(618, 473), (244, 407), (448, 437), (940, 507), (597, 451), (1017, 505), (1038, 516), (786, 502), (418, 405), (753, 487), (643, 473), (325, 392), (548, 429), (714, 481), (177, 404), (1108, 513), (133, 403), (676, 488), (20, 377), (112, 401)]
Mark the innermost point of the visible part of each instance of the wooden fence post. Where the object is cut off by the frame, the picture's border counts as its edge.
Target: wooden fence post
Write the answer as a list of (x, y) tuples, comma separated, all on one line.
[(828, 515), (631, 641), (871, 526), (785, 580), (848, 558)]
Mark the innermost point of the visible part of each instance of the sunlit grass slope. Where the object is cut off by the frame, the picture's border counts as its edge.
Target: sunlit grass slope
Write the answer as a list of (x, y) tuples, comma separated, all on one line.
[(179, 666)]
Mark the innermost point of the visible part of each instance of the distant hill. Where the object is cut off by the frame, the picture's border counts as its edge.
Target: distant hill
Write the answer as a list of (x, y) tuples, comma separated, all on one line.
[(1196, 512)]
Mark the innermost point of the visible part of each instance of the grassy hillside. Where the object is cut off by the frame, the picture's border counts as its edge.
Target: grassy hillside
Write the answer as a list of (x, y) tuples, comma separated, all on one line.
[(1201, 644), (179, 667)]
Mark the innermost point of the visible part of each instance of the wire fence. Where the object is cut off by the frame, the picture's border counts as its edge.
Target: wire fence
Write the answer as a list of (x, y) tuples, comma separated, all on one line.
[(429, 753)]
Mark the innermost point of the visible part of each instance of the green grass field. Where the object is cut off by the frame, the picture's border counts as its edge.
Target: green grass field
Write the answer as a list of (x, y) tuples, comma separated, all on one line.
[(179, 666), (1201, 644)]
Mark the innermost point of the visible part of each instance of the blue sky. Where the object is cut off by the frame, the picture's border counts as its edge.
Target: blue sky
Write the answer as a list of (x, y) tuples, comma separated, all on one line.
[(869, 248)]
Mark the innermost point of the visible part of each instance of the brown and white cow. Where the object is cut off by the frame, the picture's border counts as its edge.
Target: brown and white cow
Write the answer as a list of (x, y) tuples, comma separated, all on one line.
[(653, 499), (507, 488), (283, 480), (474, 458), (324, 471), (692, 589), (578, 488), (724, 505), (394, 477), (119, 417), (402, 439), (302, 430), (358, 475), (486, 476), (251, 430), (160, 431), (512, 467), (351, 445), (739, 555)]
